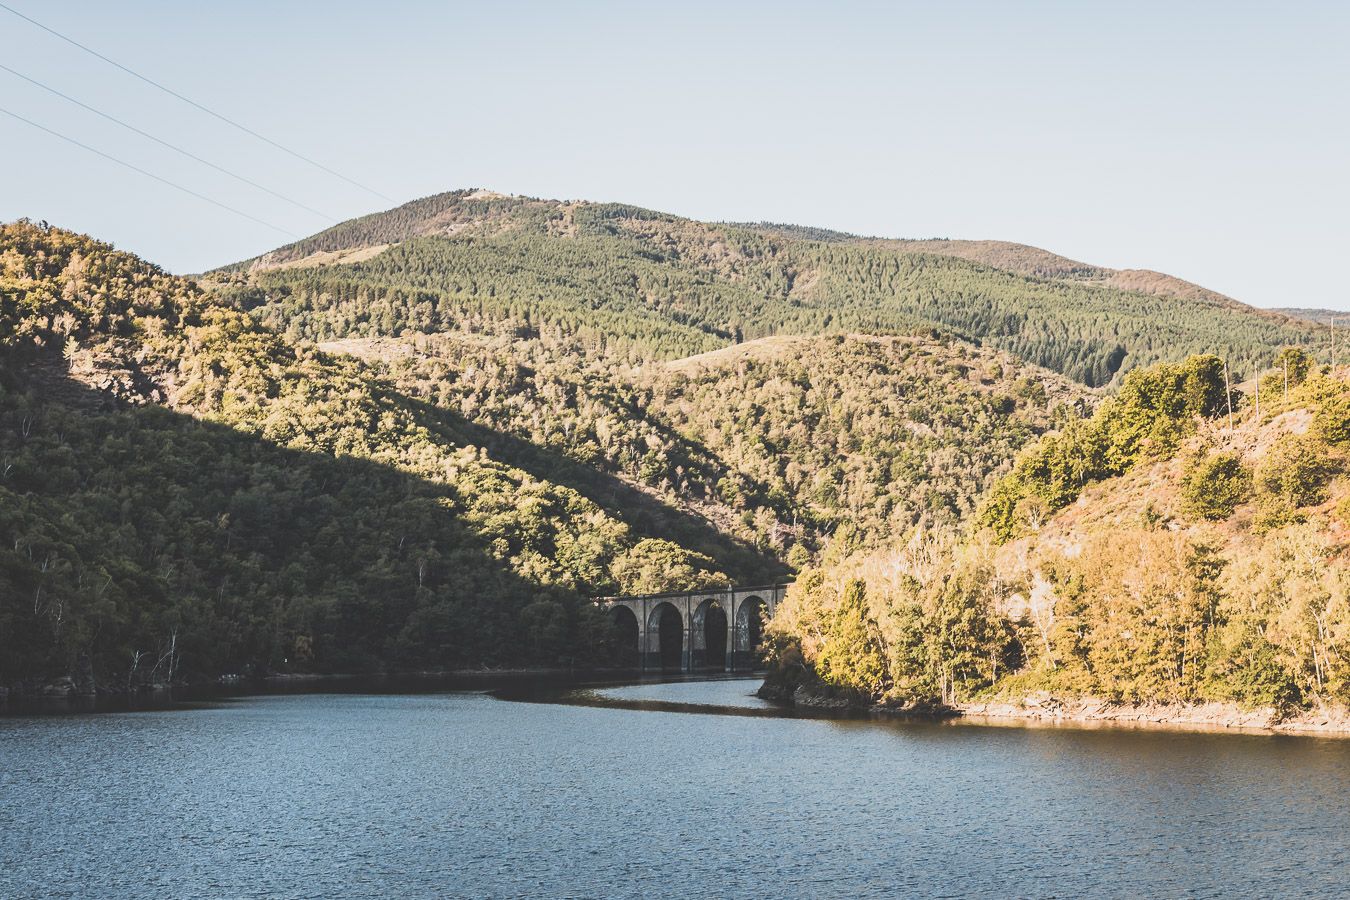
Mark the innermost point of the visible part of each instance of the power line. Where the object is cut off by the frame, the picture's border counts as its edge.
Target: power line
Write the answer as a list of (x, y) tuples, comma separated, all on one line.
[(162, 142), (194, 103), (134, 168)]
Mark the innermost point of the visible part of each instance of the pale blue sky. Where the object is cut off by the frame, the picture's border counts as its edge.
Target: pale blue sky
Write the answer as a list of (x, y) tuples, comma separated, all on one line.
[(1208, 140)]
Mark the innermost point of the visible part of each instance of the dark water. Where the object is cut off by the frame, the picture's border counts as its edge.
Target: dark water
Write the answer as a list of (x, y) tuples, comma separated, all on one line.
[(464, 794)]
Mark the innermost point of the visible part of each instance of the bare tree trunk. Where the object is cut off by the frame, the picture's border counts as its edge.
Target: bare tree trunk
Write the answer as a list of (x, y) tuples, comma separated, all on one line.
[(1228, 393), (1258, 397), (135, 664)]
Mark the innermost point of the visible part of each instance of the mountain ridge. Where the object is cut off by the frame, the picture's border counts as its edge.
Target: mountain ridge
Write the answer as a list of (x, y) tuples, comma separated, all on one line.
[(438, 216), (673, 287), (1319, 316)]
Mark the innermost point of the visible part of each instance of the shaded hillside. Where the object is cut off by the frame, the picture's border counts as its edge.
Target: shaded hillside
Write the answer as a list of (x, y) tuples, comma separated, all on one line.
[(180, 489), (1157, 552), (651, 285)]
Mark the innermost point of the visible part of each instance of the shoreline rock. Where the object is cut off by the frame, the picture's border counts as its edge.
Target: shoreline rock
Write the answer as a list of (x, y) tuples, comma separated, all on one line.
[(1045, 709), (1214, 716)]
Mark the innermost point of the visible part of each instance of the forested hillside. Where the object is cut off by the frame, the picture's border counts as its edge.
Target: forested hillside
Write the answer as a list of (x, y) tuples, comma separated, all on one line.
[(651, 285), (187, 491), (778, 441), (181, 492), (1162, 550)]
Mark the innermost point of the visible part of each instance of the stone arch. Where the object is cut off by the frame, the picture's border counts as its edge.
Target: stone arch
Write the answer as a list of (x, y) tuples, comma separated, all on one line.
[(708, 636), (625, 636), (750, 616), (666, 650)]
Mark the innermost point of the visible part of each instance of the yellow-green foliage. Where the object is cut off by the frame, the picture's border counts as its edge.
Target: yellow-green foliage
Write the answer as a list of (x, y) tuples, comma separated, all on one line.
[(915, 624), (1288, 604), (1289, 370), (1332, 421), (850, 656), (1141, 601), (1254, 608), (1295, 470), (654, 566)]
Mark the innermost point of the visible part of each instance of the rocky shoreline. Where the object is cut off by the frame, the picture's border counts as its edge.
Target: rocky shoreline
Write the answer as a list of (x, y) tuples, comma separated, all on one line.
[(1046, 709), (1049, 709)]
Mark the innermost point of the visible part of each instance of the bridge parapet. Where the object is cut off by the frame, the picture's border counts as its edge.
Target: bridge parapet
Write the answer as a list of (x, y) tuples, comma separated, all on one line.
[(712, 629)]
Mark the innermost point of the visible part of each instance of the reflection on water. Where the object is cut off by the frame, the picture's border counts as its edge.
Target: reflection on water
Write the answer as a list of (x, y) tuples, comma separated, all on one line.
[(463, 794)]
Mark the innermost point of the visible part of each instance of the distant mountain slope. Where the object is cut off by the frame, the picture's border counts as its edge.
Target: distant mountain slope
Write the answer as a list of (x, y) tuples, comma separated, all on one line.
[(1019, 258), (443, 214), (1039, 263), (656, 285), (1320, 316)]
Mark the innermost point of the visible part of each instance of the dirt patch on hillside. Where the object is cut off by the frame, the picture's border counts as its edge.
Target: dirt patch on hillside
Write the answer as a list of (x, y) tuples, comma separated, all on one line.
[(267, 262)]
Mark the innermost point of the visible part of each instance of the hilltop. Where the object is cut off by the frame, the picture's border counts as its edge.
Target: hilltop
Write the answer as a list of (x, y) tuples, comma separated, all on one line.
[(650, 284)]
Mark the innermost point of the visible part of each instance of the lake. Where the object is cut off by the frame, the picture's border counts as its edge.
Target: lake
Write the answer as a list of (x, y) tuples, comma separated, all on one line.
[(464, 794)]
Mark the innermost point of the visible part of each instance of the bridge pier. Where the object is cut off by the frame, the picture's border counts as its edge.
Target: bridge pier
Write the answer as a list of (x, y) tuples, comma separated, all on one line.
[(711, 630)]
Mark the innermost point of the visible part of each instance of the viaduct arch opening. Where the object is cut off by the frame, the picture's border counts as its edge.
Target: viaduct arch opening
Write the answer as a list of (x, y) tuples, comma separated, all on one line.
[(666, 636), (750, 632), (624, 635), (709, 636)]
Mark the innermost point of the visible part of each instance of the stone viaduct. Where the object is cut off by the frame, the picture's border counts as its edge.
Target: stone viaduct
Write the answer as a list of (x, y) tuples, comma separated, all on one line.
[(712, 630)]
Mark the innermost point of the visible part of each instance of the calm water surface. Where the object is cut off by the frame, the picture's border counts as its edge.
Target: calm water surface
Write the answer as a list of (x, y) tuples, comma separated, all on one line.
[(467, 795)]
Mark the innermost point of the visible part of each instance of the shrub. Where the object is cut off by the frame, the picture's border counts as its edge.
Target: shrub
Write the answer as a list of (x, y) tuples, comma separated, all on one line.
[(1296, 470), (798, 557), (1343, 510), (1213, 485), (1293, 362), (1272, 512), (1332, 422)]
